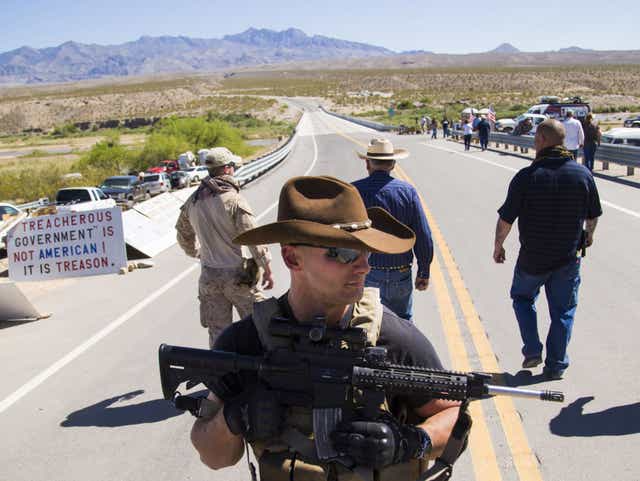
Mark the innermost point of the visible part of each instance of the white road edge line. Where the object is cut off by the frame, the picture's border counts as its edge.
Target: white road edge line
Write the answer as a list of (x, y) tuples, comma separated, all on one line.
[(55, 367), (34, 382), (496, 164)]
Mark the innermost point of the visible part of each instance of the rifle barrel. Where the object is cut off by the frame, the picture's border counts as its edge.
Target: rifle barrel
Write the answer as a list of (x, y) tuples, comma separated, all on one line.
[(555, 396)]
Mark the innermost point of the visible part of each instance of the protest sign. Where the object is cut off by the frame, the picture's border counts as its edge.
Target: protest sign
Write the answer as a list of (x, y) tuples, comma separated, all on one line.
[(67, 244)]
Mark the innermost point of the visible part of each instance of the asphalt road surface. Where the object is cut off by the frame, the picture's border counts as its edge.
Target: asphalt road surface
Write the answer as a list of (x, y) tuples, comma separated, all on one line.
[(80, 393)]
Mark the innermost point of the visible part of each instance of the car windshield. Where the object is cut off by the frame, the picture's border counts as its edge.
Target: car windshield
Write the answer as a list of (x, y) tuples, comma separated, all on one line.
[(151, 178), (73, 195), (117, 183), (6, 210), (607, 140), (190, 169)]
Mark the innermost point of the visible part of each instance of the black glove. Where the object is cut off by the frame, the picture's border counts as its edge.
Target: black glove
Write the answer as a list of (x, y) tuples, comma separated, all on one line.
[(255, 414), (380, 443)]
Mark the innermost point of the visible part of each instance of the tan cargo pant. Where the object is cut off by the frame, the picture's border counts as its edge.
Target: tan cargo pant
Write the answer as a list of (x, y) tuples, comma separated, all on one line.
[(219, 292)]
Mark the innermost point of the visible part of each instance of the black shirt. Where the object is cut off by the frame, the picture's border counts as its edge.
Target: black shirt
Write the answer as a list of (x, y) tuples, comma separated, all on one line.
[(404, 342), (551, 199), (484, 127)]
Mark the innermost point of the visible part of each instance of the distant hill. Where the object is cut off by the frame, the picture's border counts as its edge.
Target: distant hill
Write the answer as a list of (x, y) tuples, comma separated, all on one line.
[(416, 52), (505, 48), (575, 50), (260, 48), (151, 55)]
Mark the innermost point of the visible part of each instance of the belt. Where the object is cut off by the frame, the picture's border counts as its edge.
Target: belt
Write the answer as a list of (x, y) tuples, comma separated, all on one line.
[(394, 268)]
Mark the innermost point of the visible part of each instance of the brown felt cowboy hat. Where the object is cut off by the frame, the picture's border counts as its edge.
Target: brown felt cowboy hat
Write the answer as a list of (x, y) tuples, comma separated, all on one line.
[(382, 149), (325, 211)]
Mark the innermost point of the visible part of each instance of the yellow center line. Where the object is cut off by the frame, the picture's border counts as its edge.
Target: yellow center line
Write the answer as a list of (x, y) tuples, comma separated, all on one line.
[(523, 458), (483, 457)]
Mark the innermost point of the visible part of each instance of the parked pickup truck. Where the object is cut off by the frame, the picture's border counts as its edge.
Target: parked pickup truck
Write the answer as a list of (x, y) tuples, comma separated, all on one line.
[(83, 198)]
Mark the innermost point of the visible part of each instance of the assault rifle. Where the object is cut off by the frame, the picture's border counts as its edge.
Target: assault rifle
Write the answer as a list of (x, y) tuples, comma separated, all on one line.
[(319, 372)]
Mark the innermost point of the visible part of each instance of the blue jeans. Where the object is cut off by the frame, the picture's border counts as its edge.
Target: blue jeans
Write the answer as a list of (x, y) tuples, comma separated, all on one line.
[(484, 141), (561, 287), (589, 151), (396, 290)]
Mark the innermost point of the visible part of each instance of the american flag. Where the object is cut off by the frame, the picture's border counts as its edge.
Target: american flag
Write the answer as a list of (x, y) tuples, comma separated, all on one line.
[(491, 115)]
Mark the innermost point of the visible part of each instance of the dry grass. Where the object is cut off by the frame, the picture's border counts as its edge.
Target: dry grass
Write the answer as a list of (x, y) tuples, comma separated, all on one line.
[(607, 87)]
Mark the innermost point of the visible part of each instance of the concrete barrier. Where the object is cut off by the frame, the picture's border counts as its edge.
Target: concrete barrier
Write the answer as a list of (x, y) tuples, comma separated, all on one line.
[(149, 228), (14, 306)]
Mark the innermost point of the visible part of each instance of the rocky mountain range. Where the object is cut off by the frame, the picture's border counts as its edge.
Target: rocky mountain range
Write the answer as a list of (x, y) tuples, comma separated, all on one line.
[(152, 55), (74, 61)]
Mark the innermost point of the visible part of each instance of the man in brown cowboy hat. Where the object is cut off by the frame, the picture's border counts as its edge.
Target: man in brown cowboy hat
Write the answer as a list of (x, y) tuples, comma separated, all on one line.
[(215, 214), (391, 273), (326, 236)]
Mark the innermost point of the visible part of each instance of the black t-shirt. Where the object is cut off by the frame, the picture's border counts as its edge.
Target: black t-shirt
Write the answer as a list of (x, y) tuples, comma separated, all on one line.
[(484, 127), (551, 199), (404, 342)]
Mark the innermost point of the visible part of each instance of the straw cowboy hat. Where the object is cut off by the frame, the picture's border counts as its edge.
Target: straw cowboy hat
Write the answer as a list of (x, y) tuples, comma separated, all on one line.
[(382, 149), (327, 212)]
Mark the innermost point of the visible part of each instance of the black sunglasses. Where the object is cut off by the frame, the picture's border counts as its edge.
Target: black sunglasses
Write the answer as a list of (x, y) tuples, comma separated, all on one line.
[(342, 255)]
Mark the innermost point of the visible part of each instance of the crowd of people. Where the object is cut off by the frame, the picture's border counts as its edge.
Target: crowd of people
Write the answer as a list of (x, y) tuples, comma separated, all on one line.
[(349, 250)]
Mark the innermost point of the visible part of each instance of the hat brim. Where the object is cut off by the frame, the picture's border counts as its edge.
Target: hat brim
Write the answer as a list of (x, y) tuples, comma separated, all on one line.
[(397, 155), (385, 236)]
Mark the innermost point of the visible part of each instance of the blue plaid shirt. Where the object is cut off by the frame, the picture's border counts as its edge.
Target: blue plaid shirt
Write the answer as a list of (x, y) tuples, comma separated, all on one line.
[(401, 200)]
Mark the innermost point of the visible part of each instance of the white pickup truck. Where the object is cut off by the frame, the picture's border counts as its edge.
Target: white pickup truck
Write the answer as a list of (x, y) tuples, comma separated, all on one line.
[(79, 199)]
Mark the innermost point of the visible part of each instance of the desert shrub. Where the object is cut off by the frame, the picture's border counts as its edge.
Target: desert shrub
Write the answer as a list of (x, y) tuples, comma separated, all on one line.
[(107, 155), (24, 184), (64, 131), (201, 133), (159, 147)]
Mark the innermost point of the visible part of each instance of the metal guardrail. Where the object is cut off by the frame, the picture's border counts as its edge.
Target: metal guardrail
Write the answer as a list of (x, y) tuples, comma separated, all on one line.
[(34, 205), (259, 166), (365, 123), (626, 155)]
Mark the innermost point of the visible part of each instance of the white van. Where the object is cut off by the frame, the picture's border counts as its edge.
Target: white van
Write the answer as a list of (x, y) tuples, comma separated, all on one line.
[(622, 136), (555, 108)]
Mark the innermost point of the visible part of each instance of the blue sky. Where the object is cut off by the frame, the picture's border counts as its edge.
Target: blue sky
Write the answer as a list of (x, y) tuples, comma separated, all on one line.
[(443, 26)]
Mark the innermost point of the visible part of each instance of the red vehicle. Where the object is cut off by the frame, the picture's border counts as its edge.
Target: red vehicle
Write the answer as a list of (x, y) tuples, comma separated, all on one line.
[(167, 166), (170, 165), (159, 169)]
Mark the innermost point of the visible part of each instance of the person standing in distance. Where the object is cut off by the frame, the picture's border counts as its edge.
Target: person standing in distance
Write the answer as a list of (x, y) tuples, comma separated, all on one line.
[(550, 238), (467, 132), (391, 273), (214, 215), (592, 137), (484, 128), (574, 138)]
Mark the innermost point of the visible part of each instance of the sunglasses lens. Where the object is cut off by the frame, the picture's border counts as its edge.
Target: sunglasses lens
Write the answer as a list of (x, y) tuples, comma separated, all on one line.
[(344, 255)]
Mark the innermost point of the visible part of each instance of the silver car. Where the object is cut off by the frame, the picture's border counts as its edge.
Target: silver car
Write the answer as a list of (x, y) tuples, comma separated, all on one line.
[(196, 174), (156, 183)]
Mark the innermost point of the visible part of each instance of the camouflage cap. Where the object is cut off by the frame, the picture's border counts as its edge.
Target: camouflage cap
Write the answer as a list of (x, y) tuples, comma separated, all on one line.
[(220, 156)]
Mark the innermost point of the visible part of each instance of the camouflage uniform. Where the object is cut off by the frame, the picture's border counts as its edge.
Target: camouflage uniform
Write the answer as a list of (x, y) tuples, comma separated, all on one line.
[(213, 220)]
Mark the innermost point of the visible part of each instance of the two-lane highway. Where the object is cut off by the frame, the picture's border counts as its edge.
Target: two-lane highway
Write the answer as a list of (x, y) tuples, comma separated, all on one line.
[(80, 397)]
